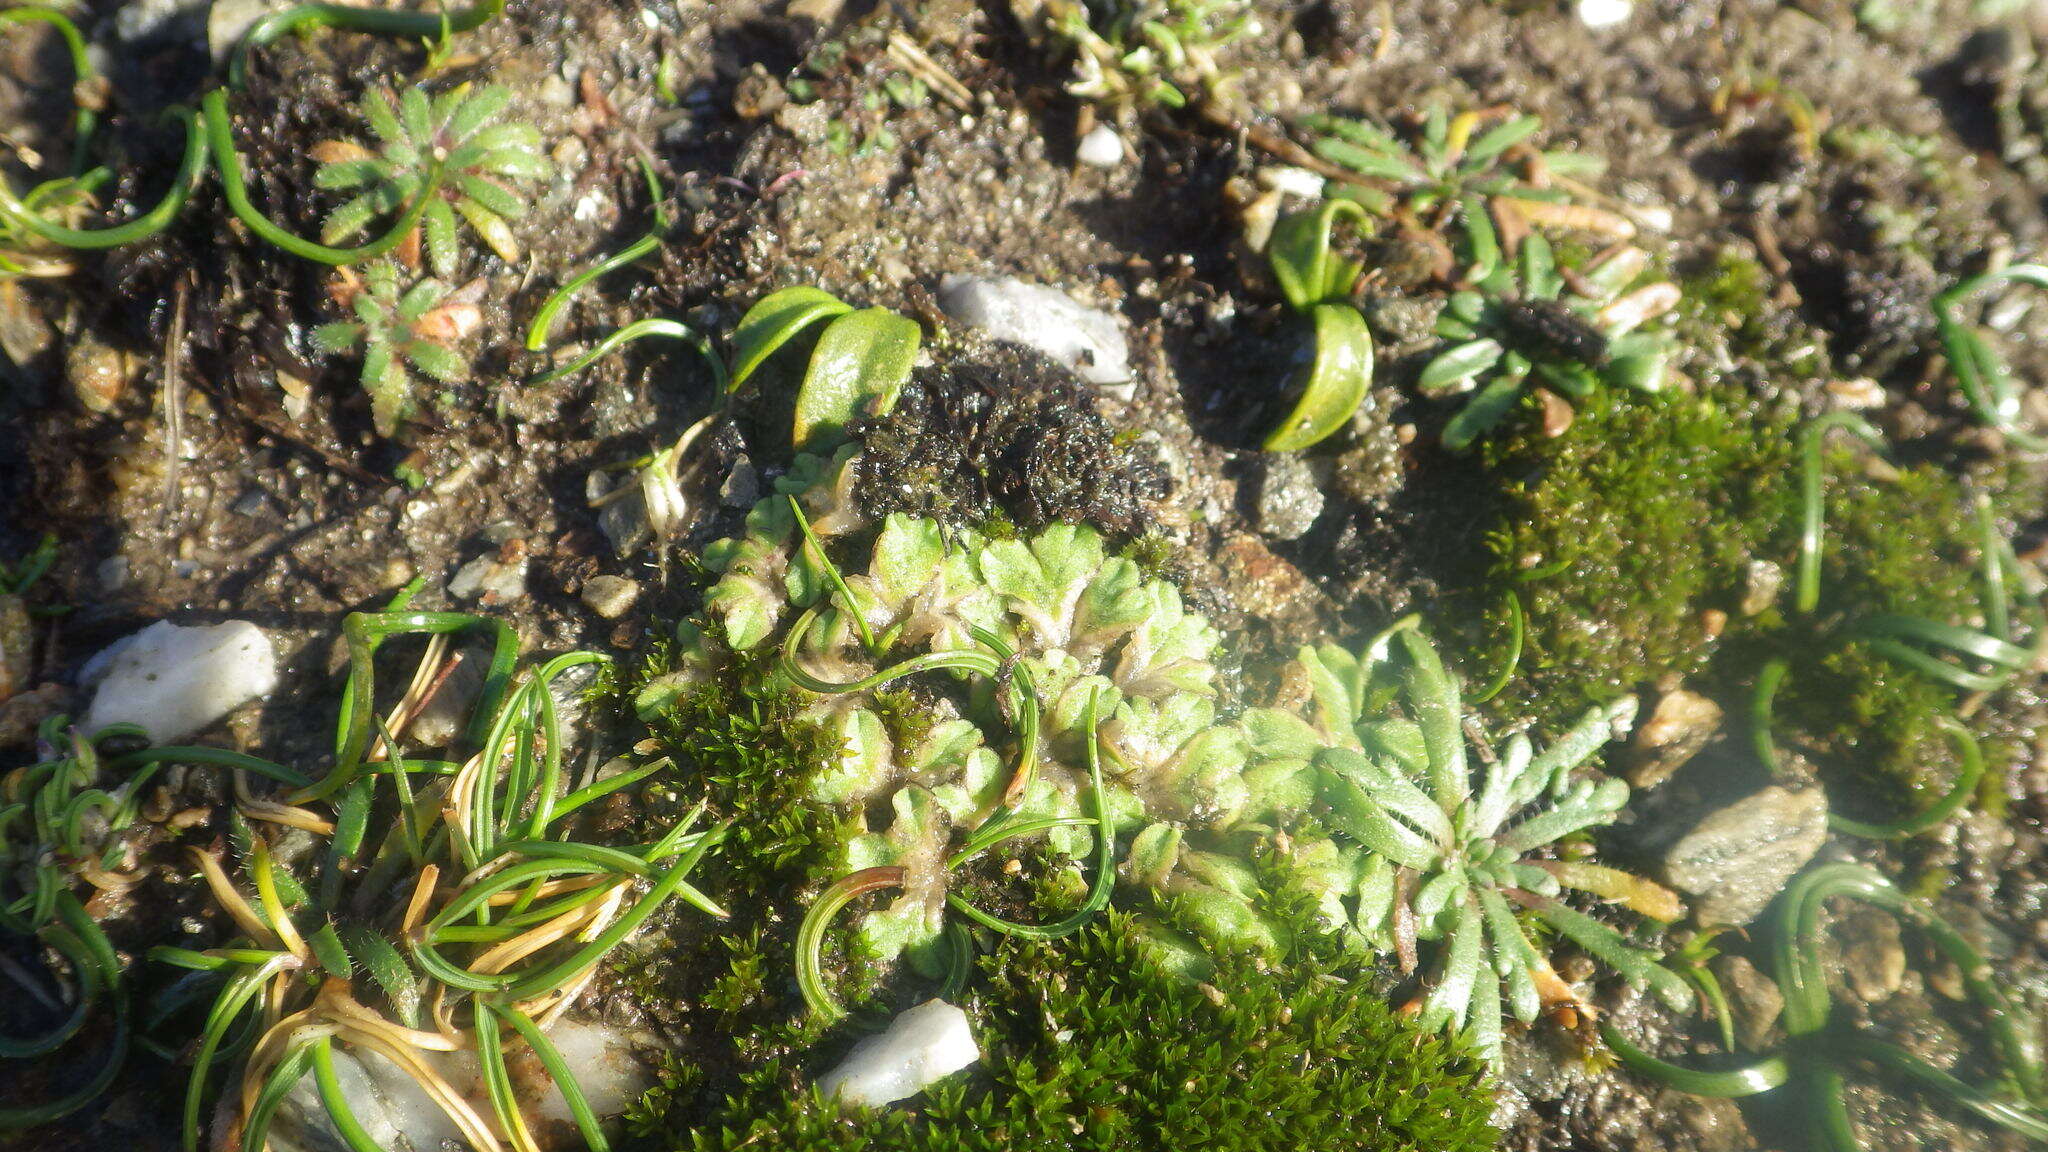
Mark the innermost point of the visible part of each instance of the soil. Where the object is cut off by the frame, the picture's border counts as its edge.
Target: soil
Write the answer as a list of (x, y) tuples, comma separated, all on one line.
[(237, 474)]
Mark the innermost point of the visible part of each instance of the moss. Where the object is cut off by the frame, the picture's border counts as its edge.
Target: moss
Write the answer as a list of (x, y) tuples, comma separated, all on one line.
[(1088, 1039), (1624, 539), (1727, 306), (1620, 536), (1905, 545)]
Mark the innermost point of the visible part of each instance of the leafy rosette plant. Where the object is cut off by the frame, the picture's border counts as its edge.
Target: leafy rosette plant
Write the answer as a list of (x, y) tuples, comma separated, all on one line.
[(979, 690), (458, 143), (1465, 864), (1568, 332)]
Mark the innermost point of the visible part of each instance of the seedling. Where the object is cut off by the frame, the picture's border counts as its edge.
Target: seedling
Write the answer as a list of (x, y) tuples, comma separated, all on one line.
[(1568, 331), (482, 161), (400, 330)]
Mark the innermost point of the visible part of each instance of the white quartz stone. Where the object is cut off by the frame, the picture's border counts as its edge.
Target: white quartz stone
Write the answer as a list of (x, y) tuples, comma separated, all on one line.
[(919, 1048), (1100, 148), (1602, 14), (175, 680), (1045, 319)]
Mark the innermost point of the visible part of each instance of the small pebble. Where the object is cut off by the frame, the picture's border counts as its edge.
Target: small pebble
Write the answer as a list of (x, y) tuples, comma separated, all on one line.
[(1101, 148), (920, 1047), (609, 596), (1603, 14), (174, 680), (1046, 320)]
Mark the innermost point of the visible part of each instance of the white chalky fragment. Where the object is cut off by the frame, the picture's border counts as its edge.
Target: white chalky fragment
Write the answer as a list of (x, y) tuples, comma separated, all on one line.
[(174, 680), (921, 1046)]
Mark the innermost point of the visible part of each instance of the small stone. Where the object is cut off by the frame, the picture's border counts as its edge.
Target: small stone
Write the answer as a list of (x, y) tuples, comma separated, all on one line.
[(1100, 148), (1735, 861), (1289, 500), (920, 1047), (490, 580), (1603, 14), (21, 714), (1761, 582), (230, 19), (1867, 954), (609, 596), (1678, 727), (1753, 999), (98, 375), (1557, 414), (1045, 320), (174, 680), (1291, 181)]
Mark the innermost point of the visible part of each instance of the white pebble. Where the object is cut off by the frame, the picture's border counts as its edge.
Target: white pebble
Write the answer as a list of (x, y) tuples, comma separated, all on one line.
[(1100, 148), (920, 1047), (1291, 181), (1600, 14), (1044, 319), (174, 680)]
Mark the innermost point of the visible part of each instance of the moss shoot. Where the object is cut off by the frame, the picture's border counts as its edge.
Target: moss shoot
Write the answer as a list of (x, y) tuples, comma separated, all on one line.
[(1089, 1043), (1630, 545)]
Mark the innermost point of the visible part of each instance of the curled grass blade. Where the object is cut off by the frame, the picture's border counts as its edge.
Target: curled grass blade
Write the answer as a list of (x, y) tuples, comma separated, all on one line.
[(639, 330), (810, 937), (1338, 378), (221, 139), (1812, 445)]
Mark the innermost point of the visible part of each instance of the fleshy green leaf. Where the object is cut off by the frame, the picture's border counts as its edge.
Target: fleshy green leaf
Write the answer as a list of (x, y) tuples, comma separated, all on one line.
[(773, 321), (1338, 378), (861, 363)]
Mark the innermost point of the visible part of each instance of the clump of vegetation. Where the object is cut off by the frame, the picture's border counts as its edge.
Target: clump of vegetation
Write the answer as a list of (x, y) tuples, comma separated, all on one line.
[(63, 825), (1618, 555), (1460, 867), (442, 905), (483, 162), (1138, 53), (1633, 568), (401, 329), (1091, 1036), (1457, 179), (1725, 312), (1570, 333), (1091, 682)]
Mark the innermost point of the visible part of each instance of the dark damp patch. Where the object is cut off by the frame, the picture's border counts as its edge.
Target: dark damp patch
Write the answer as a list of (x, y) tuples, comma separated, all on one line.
[(1001, 441)]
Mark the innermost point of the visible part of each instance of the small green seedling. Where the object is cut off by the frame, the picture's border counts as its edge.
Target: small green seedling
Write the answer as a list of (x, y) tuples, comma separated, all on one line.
[(484, 162), (1463, 866), (1571, 334), (400, 330), (1318, 282), (1459, 177)]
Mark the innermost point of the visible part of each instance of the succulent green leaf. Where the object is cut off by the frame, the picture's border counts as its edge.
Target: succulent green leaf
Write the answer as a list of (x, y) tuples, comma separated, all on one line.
[(1452, 369), (862, 361), (1483, 413), (1338, 378), (1299, 252), (773, 321)]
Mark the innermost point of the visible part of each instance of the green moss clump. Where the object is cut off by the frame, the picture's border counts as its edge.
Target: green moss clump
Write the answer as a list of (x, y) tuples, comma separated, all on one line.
[(1620, 536), (1090, 1041), (1901, 546), (1727, 306)]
